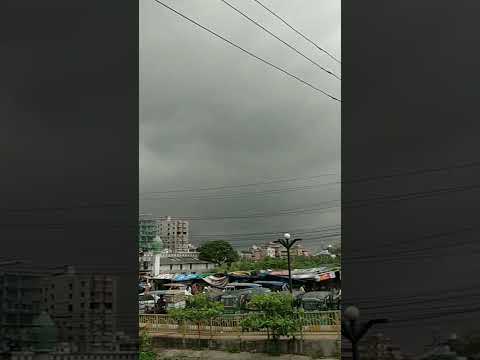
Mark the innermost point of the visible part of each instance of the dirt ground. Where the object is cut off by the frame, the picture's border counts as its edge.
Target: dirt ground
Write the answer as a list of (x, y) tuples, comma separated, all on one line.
[(171, 354)]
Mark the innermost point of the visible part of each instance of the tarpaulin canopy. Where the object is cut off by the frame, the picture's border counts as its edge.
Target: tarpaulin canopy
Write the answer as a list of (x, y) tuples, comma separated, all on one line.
[(240, 273), (164, 277), (326, 276), (188, 277), (216, 281)]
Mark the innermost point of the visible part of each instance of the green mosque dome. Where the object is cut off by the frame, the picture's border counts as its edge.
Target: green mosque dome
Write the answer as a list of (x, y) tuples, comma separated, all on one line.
[(44, 333)]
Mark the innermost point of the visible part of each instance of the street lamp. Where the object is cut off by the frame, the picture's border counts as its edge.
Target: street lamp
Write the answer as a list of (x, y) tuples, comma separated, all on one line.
[(353, 331), (287, 243)]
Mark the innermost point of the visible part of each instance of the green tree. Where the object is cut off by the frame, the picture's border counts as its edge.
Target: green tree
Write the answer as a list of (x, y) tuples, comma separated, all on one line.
[(146, 348), (200, 309), (218, 251), (275, 314)]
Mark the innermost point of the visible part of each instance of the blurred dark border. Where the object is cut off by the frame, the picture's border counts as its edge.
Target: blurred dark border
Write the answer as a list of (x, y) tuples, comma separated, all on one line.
[(410, 167), (69, 175)]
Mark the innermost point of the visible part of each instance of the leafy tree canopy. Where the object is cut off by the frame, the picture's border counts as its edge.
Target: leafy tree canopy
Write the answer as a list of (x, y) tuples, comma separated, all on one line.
[(275, 314), (199, 308), (219, 252)]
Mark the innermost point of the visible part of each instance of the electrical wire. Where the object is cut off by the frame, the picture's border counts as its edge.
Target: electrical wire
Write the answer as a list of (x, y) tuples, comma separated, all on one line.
[(298, 32), (282, 41), (249, 52)]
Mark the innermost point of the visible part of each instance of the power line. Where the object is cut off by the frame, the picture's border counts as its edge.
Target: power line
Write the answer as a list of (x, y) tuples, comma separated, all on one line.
[(428, 237), (282, 41), (414, 172), (221, 187), (408, 196), (294, 231), (249, 53), (238, 195), (352, 204), (353, 181), (298, 32), (406, 297), (297, 211)]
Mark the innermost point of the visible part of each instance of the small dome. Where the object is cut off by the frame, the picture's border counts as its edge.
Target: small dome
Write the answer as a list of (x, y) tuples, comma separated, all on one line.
[(44, 333)]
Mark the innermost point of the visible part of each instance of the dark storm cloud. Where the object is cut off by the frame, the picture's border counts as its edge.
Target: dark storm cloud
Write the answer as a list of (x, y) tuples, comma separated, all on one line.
[(211, 115)]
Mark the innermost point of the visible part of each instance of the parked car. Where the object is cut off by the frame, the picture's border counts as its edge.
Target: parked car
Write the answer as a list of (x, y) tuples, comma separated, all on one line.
[(237, 300), (273, 285), (241, 286), (317, 301)]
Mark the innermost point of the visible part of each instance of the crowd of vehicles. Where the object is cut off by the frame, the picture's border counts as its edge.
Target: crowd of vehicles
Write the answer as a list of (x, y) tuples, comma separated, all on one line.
[(236, 297)]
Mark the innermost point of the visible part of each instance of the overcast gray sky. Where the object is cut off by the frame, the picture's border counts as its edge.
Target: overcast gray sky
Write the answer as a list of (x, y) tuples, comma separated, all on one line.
[(212, 116)]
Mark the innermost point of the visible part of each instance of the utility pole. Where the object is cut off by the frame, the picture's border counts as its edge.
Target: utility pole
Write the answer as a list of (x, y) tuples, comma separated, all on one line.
[(287, 244)]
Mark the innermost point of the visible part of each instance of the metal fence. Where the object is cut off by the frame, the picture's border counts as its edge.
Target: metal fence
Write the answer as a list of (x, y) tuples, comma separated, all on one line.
[(228, 324)]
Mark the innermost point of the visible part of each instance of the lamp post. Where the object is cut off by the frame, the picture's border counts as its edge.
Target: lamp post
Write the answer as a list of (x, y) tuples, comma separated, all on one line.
[(354, 331), (287, 243)]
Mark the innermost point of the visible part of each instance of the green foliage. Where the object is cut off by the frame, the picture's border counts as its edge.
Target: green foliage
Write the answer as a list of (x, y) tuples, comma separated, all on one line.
[(146, 348), (275, 314), (199, 308), (298, 262), (219, 252), (147, 355)]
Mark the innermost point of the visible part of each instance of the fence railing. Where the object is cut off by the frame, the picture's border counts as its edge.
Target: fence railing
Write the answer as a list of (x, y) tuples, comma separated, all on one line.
[(228, 324)]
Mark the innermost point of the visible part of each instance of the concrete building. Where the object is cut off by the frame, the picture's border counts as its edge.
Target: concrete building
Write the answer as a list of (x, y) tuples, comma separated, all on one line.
[(83, 306), (146, 261), (273, 250), (20, 303), (269, 251), (180, 265), (148, 234), (175, 235)]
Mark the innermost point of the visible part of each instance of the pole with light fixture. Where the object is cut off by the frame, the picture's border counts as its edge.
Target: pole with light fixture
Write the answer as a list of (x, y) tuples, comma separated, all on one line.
[(287, 243), (353, 331)]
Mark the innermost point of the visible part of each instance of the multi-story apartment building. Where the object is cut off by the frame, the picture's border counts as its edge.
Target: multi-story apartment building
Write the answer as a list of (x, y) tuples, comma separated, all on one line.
[(20, 303), (175, 235), (148, 234), (273, 250), (83, 306)]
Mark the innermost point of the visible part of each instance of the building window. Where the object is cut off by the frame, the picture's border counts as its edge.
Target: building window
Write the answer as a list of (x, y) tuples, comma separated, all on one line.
[(171, 267), (70, 308), (190, 266)]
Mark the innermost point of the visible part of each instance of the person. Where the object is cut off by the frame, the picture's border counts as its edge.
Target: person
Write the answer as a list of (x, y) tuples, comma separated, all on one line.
[(302, 289), (161, 305), (194, 289)]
